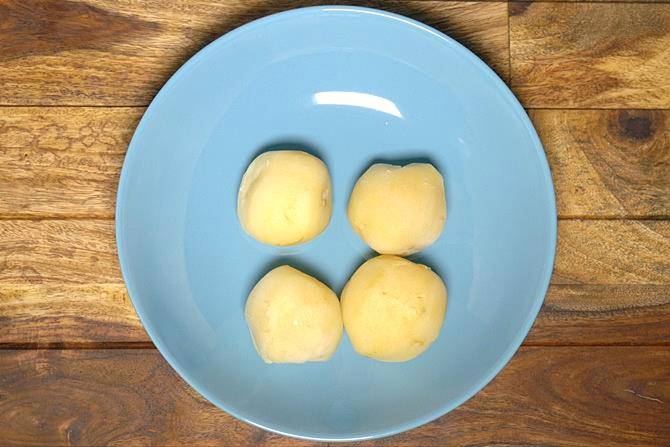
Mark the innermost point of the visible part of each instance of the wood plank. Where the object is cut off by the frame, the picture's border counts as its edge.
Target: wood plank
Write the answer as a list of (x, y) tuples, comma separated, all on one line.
[(104, 52), (62, 161), (84, 252), (608, 163), (603, 314), (574, 396), (566, 55), (612, 252), (60, 283), (52, 314), (52, 252), (65, 161), (84, 315)]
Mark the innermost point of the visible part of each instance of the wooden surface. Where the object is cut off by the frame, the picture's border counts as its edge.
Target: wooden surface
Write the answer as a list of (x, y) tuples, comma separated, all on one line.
[(590, 54), (128, 397), (107, 52), (76, 367), (611, 284)]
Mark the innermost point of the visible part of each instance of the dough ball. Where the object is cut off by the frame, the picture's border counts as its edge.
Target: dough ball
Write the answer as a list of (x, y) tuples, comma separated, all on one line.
[(285, 198), (398, 210), (293, 317), (393, 309)]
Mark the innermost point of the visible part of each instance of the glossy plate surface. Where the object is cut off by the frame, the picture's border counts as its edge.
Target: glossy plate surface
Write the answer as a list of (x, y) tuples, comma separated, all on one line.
[(353, 86)]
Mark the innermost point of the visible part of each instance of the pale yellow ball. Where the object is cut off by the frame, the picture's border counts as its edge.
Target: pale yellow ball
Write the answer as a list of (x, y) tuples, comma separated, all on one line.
[(393, 309), (285, 198), (398, 210), (293, 318)]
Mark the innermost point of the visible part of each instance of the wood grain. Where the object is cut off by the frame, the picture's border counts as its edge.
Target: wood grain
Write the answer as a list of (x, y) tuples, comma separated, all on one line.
[(590, 54), (68, 314), (62, 161), (612, 252), (83, 252), (50, 251), (91, 315), (66, 161), (608, 163), (103, 52), (603, 314), (549, 396), (60, 283)]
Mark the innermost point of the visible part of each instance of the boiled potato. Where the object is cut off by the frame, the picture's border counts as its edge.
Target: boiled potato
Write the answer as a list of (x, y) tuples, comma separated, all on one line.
[(393, 309), (398, 210), (285, 198), (293, 318)]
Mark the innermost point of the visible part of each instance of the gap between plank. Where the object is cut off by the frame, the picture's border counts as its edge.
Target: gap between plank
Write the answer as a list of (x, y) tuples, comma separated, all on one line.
[(107, 217), (82, 106), (82, 346), (141, 106), (660, 217), (509, 48), (661, 344), (33, 218), (65, 346)]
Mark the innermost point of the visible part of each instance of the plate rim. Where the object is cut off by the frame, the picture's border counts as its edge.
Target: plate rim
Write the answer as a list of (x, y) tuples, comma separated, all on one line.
[(462, 51)]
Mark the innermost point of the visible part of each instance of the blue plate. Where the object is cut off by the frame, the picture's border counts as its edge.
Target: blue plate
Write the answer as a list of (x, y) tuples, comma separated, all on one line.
[(354, 86)]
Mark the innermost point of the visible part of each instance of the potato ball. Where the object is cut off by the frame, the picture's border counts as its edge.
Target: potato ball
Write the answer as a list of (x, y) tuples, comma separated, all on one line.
[(398, 210), (393, 309), (285, 198), (293, 318)]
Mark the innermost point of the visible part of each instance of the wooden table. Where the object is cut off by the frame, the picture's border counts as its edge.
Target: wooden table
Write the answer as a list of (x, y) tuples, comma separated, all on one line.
[(77, 368)]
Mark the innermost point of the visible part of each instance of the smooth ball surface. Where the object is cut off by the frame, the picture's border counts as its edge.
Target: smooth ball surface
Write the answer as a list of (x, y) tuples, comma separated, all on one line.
[(398, 210), (393, 309), (285, 198), (293, 317)]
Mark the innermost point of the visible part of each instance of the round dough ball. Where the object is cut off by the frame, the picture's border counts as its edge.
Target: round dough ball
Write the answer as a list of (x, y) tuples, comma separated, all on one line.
[(398, 210), (285, 198), (293, 318), (393, 309)]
